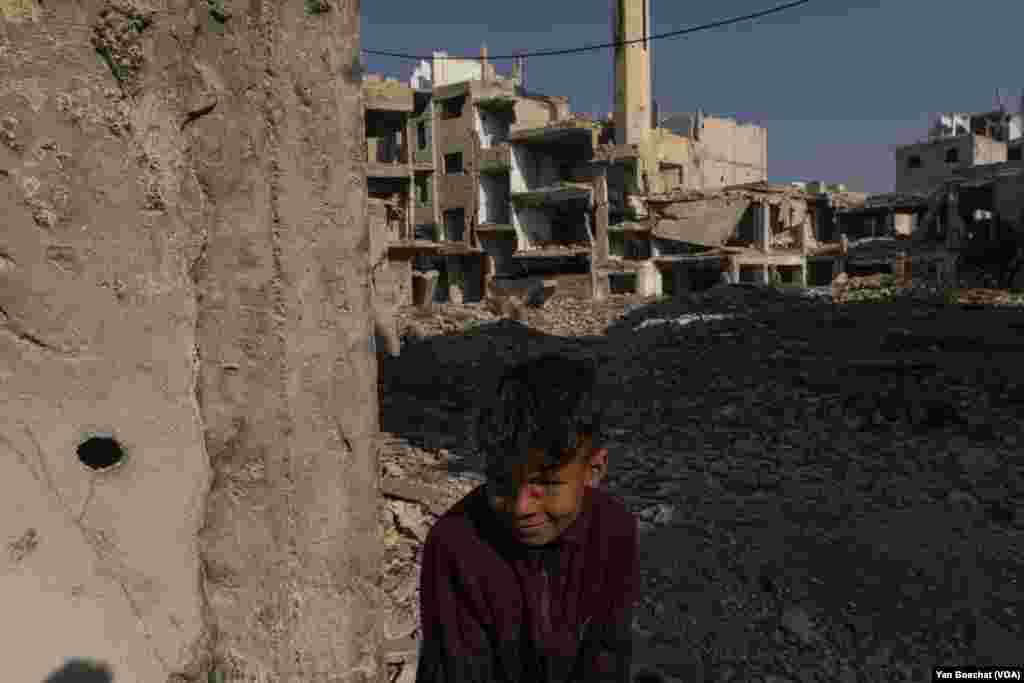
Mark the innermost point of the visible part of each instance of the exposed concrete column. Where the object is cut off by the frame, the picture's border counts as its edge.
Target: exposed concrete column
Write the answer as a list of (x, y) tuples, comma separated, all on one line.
[(763, 228), (600, 249), (766, 275), (732, 269), (424, 288), (411, 196), (839, 264), (648, 280), (600, 286)]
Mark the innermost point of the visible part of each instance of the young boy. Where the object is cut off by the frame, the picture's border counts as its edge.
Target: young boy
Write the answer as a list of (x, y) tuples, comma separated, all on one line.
[(532, 577)]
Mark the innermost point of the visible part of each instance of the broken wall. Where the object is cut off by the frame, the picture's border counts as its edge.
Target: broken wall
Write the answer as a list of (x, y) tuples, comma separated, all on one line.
[(707, 222), (457, 136), (732, 153), (451, 70), (924, 166), (676, 150), (533, 112), (184, 270)]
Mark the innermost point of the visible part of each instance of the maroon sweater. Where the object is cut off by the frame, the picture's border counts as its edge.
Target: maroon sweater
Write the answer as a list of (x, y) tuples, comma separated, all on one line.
[(496, 611)]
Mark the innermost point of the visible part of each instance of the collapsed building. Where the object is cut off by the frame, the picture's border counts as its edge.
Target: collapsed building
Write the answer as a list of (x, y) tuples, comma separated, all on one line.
[(473, 179), (958, 197), (476, 183)]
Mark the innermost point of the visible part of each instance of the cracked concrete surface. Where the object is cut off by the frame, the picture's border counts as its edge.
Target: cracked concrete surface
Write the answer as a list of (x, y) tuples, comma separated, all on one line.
[(183, 267)]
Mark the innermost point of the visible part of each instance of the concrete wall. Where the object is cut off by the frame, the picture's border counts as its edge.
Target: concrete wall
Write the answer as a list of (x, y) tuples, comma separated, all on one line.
[(532, 112), (672, 149), (451, 136), (449, 71), (934, 169), (401, 277), (184, 267), (708, 222), (732, 153), (903, 223)]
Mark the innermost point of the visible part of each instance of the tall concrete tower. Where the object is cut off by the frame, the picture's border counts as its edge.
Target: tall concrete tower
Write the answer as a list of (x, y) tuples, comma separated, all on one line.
[(631, 20)]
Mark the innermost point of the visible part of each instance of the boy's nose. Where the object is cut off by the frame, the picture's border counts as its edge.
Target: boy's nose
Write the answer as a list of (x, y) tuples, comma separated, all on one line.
[(526, 500)]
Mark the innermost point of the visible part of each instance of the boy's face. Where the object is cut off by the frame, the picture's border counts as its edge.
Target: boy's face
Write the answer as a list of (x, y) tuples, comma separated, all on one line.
[(536, 503)]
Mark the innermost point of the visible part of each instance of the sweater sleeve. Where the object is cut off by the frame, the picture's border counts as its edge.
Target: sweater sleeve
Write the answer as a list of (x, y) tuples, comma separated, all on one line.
[(455, 647), (606, 653)]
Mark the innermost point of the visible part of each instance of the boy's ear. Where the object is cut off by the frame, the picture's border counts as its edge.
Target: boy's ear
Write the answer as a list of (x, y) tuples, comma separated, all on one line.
[(597, 466)]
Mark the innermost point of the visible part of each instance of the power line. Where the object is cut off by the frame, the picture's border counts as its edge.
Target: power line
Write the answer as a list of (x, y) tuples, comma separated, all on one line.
[(603, 46)]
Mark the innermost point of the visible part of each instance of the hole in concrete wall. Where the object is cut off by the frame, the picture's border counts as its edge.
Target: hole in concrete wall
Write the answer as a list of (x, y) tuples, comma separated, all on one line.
[(453, 163), (952, 156), (451, 108), (914, 162), (454, 225), (100, 453)]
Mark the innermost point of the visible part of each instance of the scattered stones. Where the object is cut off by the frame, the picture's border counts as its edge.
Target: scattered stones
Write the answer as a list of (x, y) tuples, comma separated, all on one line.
[(714, 448)]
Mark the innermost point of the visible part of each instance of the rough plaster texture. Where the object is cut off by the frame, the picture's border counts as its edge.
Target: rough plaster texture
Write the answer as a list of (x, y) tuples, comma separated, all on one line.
[(183, 264)]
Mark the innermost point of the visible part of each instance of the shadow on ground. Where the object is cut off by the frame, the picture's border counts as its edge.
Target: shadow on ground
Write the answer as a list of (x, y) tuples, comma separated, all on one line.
[(846, 481)]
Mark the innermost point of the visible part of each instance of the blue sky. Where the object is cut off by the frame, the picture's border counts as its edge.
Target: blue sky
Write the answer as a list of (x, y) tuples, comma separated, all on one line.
[(838, 83)]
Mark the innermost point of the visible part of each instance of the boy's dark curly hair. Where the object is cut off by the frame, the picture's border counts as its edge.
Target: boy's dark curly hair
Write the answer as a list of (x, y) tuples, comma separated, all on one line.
[(546, 402)]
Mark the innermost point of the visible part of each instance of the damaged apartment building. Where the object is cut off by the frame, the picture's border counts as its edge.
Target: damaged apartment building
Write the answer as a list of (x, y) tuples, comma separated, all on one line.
[(958, 192), (439, 160), (478, 180)]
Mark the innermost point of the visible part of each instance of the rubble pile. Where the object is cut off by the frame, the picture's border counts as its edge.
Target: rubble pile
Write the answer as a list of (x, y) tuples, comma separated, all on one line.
[(825, 491)]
